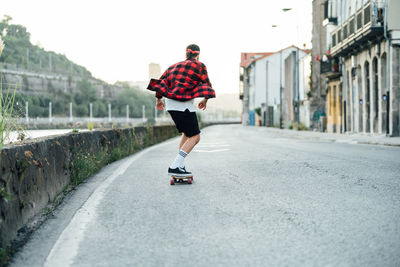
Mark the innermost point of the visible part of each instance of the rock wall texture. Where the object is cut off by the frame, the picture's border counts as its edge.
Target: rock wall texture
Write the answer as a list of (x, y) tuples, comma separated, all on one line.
[(35, 173)]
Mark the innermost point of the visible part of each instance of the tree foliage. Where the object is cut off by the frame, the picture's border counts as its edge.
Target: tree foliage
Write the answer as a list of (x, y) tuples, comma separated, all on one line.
[(21, 53)]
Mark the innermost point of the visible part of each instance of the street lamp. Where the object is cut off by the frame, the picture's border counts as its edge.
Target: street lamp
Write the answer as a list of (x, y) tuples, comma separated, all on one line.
[(280, 83), (280, 75), (297, 78)]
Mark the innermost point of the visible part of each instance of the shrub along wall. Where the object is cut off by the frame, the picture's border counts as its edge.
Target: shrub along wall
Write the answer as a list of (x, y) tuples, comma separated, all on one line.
[(33, 174)]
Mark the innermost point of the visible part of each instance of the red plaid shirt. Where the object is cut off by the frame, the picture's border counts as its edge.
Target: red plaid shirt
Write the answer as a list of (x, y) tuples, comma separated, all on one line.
[(183, 81)]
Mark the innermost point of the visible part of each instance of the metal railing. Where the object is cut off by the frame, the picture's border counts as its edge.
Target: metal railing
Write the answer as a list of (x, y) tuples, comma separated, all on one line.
[(330, 66), (78, 120)]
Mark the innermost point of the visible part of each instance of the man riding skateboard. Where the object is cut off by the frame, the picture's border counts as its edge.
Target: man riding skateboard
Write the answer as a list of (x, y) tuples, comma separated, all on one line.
[(180, 84)]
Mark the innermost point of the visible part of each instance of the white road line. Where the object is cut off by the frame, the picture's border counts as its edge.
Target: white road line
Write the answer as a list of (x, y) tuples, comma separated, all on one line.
[(210, 151), (212, 145), (66, 247)]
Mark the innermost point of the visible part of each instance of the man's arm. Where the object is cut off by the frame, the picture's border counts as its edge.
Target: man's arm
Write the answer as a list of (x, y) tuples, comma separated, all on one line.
[(163, 77), (160, 104), (203, 104), (204, 75)]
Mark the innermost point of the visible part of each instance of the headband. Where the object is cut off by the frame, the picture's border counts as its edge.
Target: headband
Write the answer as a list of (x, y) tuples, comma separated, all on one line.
[(191, 51)]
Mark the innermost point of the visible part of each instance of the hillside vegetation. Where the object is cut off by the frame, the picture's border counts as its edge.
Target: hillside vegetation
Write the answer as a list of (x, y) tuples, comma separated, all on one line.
[(20, 54)]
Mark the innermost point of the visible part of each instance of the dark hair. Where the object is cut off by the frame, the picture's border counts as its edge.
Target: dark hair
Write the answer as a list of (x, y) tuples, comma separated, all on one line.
[(192, 51)]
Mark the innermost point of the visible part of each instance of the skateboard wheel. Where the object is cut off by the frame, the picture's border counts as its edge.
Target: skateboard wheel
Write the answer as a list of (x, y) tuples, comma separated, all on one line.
[(172, 182), (190, 181)]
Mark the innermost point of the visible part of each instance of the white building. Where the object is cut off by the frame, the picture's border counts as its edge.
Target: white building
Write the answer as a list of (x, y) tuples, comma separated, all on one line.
[(263, 80)]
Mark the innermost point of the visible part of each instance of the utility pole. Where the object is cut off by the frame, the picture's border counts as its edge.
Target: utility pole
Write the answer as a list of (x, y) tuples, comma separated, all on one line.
[(143, 113), (27, 112), (70, 112), (50, 115), (109, 112), (90, 111), (127, 113)]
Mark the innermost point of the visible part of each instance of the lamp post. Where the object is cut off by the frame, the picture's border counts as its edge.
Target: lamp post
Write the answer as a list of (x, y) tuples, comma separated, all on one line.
[(297, 78), (280, 77), (280, 83)]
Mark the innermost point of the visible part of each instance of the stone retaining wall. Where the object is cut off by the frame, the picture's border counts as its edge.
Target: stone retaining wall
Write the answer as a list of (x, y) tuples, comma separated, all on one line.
[(35, 173)]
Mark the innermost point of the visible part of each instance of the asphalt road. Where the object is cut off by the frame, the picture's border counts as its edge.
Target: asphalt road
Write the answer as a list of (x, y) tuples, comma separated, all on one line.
[(258, 199)]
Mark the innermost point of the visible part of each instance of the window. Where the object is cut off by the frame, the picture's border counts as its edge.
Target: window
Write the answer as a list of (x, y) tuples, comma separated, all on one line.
[(330, 11), (334, 40), (367, 14)]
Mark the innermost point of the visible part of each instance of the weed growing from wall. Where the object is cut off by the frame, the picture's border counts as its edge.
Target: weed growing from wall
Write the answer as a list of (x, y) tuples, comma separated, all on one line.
[(6, 112)]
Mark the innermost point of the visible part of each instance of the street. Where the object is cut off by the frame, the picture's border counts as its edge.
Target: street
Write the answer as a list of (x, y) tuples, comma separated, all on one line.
[(258, 199)]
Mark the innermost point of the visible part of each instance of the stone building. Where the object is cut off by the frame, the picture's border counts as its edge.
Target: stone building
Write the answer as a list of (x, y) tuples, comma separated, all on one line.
[(319, 46), (361, 65)]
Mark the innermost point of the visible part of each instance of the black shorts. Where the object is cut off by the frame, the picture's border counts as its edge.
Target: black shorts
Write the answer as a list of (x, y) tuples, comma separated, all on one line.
[(186, 122)]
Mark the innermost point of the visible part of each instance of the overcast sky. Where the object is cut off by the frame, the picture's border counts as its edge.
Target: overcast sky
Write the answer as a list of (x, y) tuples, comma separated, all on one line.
[(116, 40)]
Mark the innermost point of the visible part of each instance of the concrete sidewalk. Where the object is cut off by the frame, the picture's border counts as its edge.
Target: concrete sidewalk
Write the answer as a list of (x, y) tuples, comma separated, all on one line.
[(349, 138)]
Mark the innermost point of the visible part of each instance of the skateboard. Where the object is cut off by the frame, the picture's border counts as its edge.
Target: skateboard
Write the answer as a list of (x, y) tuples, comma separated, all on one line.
[(181, 179)]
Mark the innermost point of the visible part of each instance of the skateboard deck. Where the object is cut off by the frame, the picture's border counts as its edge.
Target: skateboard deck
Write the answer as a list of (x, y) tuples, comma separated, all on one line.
[(181, 179)]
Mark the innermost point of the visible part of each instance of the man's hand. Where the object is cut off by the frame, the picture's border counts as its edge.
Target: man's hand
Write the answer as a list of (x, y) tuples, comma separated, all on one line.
[(203, 104), (160, 104)]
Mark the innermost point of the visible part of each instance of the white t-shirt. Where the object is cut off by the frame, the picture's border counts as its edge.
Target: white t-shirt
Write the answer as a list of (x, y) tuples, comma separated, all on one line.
[(171, 104)]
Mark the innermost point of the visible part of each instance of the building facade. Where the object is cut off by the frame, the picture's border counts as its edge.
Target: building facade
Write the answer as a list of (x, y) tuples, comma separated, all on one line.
[(361, 66), (296, 103), (319, 41), (261, 85), (244, 84)]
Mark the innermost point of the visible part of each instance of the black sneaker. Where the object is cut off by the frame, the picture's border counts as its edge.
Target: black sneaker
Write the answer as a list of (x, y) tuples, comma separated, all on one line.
[(184, 168), (179, 171)]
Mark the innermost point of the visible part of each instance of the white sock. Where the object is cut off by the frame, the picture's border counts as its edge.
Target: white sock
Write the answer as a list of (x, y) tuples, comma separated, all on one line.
[(179, 160)]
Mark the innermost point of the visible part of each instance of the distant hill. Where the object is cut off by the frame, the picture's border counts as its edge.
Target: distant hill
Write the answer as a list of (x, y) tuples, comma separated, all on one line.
[(41, 77), (20, 53)]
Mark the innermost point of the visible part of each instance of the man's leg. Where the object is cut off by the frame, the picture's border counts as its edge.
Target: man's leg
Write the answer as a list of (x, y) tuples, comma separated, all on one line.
[(187, 123), (185, 150), (190, 143), (183, 140)]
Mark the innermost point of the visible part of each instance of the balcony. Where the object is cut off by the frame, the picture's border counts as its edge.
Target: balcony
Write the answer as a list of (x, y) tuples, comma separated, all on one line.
[(362, 27), (330, 68)]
